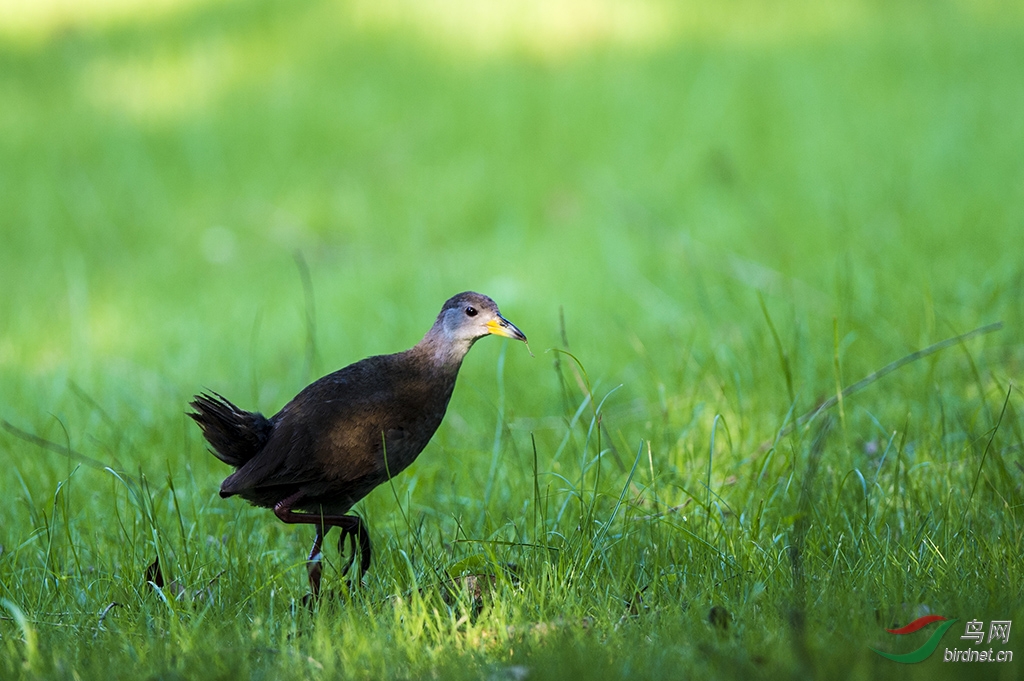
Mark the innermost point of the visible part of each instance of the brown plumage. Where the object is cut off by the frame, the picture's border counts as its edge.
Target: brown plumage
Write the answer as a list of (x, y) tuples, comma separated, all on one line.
[(325, 450)]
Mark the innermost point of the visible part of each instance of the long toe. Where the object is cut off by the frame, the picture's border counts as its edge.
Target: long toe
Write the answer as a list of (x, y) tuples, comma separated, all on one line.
[(351, 537)]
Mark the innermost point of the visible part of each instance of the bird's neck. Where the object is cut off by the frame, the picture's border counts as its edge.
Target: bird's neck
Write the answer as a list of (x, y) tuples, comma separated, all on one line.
[(440, 352)]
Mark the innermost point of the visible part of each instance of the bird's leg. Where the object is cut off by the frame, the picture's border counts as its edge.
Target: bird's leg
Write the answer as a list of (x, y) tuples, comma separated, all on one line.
[(314, 565), (352, 547), (365, 548), (351, 526), (283, 511)]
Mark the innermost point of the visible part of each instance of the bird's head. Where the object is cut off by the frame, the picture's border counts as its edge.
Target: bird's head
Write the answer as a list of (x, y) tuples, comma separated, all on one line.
[(469, 316)]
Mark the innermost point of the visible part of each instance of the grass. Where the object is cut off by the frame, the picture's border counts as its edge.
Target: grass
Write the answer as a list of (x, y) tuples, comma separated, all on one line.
[(708, 221)]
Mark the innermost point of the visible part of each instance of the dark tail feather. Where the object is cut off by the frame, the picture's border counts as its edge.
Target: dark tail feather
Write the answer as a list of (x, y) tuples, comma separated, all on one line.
[(234, 434)]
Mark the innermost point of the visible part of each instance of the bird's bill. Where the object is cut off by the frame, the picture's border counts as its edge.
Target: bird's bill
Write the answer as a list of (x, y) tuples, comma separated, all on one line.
[(503, 327)]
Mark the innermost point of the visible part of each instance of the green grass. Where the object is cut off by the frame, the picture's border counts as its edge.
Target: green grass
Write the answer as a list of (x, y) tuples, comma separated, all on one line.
[(725, 222)]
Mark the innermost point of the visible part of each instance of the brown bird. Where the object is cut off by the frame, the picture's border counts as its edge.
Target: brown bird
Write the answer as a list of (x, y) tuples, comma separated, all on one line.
[(349, 431)]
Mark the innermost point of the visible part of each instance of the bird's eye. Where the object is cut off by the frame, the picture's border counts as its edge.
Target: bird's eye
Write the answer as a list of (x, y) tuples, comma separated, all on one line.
[(470, 311)]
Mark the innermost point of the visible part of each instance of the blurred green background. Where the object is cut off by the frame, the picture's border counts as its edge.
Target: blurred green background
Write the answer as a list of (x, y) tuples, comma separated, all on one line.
[(648, 167), (647, 171)]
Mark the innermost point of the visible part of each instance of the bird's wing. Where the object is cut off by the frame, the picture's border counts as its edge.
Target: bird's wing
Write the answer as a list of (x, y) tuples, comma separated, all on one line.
[(332, 430)]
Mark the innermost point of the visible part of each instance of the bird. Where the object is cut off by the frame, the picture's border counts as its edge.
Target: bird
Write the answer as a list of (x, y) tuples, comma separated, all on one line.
[(347, 432)]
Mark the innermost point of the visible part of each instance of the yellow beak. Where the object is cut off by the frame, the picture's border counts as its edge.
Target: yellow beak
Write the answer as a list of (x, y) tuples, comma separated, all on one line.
[(503, 327)]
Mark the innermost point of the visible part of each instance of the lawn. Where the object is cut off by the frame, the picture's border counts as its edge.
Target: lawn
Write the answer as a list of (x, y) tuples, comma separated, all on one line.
[(709, 219)]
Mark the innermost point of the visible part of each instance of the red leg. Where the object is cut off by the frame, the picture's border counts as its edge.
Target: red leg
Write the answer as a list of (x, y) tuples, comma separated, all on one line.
[(341, 549), (314, 565), (352, 527)]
